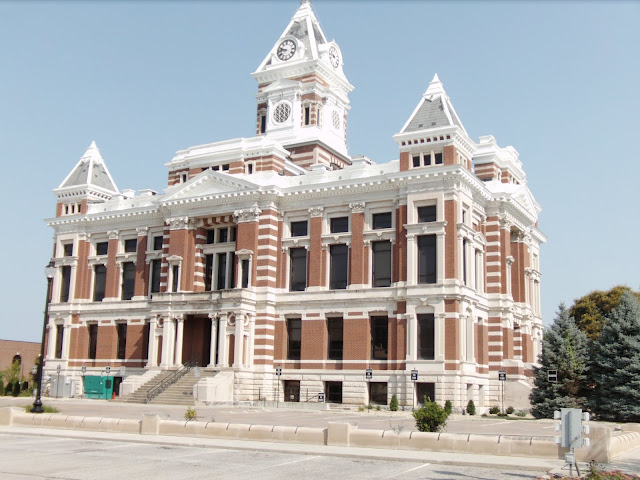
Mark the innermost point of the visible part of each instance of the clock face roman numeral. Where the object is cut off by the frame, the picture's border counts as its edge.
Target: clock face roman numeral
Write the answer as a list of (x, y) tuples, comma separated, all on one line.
[(286, 49)]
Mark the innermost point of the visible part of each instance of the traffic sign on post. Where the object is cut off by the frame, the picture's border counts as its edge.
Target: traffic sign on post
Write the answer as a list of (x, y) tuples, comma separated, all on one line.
[(84, 368), (278, 371), (321, 397), (107, 369), (58, 368), (368, 374), (502, 375), (552, 376), (414, 375)]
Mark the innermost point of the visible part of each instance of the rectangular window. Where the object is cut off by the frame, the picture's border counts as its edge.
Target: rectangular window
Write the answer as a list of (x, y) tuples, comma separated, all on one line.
[(68, 249), (224, 235), (307, 115), (215, 168), (157, 242), (379, 337), (426, 337), (378, 393), (339, 266), (232, 270), (464, 260), (93, 340), (427, 159), (292, 390), (334, 331), (225, 167), (221, 283), (102, 248), (298, 269), (211, 236), (121, 329), (99, 281), (381, 220), (438, 158), (416, 160), (333, 392), (294, 338), (339, 224), (146, 331), (381, 264), (427, 214), (232, 234), (427, 259), (175, 277), (425, 390), (299, 229), (65, 284), (130, 245), (263, 123), (245, 273), (155, 275), (128, 280), (249, 168), (59, 335), (208, 271)]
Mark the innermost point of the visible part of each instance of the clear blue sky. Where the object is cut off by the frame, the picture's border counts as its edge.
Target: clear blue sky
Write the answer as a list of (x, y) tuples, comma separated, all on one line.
[(558, 81)]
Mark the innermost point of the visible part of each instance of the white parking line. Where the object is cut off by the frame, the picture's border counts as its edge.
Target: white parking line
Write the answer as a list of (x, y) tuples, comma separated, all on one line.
[(492, 424), (410, 470)]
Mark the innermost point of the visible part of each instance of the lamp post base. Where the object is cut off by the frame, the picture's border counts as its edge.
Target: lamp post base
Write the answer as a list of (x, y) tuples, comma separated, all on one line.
[(37, 407)]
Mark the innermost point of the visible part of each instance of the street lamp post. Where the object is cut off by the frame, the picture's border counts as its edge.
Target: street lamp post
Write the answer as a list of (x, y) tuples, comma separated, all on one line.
[(49, 272)]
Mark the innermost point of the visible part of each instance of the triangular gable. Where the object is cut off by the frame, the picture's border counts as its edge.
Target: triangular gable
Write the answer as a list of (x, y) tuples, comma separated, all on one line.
[(90, 171), (281, 84), (210, 183), (525, 198)]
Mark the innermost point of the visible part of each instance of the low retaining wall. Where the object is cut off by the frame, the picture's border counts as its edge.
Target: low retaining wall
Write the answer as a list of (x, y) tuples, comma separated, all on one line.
[(604, 446)]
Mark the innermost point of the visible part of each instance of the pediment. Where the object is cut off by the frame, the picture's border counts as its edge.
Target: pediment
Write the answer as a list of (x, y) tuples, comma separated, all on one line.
[(282, 84), (210, 183), (525, 198)]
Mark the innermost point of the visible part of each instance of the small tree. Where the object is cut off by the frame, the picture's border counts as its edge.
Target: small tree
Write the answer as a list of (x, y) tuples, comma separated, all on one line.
[(431, 417), (616, 364), (16, 389), (1, 386), (393, 405), (471, 408), (447, 407), (565, 349)]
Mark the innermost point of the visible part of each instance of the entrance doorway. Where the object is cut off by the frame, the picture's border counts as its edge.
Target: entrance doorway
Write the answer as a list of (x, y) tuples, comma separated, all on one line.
[(196, 343), (292, 390)]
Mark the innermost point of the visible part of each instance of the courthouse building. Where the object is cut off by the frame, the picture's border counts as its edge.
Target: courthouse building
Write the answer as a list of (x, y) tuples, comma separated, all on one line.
[(282, 250)]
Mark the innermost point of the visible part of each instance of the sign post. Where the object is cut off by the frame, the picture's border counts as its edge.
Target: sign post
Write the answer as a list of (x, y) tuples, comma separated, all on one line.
[(414, 378), (58, 382), (502, 376), (368, 375), (321, 397), (84, 370), (278, 373)]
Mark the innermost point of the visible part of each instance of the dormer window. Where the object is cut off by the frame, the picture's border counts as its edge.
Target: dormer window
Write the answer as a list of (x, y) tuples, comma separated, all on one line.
[(263, 123), (102, 248), (183, 178), (307, 115), (438, 158)]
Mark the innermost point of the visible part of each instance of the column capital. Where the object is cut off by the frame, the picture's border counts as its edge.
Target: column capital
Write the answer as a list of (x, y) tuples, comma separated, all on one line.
[(213, 316), (181, 223), (142, 231), (113, 234), (357, 207), (247, 215), (316, 211)]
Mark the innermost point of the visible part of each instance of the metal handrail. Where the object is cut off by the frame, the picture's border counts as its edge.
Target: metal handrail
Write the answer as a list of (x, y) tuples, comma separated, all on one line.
[(161, 386)]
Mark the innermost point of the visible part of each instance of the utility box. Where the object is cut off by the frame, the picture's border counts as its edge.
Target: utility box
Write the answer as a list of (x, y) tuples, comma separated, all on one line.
[(98, 387), (62, 387)]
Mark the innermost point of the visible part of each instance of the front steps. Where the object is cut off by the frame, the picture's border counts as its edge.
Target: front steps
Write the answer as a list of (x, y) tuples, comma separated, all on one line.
[(180, 393)]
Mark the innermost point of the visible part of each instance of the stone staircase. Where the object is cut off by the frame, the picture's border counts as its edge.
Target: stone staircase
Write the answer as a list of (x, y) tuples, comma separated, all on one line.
[(140, 395), (181, 392)]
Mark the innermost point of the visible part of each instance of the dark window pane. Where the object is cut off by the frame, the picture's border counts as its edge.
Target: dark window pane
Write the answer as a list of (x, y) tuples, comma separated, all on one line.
[(298, 273), (122, 340), (339, 224), (427, 259), (93, 340), (426, 337), (299, 229), (294, 338), (211, 236), (68, 249), (379, 337), (464, 260), (208, 271), (427, 390), (66, 284), (144, 353), (102, 248), (224, 235), (232, 270), (245, 273), (381, 220), (381, 264), (225, 167), (232, 234), (438, 158), (416, 160), (222, 271), (157, 243), (100, 277), (378, 393), (339, 266), (427, 214), (128, 280), (59, 335), (130, 245), (307, 115), (155, 276), (175, 277), (333, 392), (334, 329), (427, 159), (291, 390)]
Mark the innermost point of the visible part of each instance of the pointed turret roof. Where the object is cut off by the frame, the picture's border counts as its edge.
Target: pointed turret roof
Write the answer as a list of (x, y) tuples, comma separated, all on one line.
[(434, 110), (90, 172)]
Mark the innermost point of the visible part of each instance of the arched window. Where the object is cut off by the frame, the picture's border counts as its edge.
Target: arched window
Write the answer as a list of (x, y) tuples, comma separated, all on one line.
[(17, 358)]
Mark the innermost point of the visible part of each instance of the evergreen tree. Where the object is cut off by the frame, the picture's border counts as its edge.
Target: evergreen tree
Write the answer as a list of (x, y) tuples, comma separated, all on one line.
[(565, 349), (616, 364)]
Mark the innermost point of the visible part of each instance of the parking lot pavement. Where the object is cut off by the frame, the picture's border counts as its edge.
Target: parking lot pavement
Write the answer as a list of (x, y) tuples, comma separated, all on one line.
[(383, 420), (61, 457)]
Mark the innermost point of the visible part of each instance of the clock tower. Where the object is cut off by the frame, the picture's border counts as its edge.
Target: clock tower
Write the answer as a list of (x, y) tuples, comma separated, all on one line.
[(303, 94)]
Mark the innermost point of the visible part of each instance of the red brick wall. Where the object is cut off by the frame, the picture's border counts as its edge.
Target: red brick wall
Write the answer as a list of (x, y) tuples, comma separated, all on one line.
[(314, 339), (83, 272), (405, 158), (451, 239), (356, 343), (142, 269), (315, 271), (113, 271), (357, 270), (400, 247), (135, 343), (247, 238), (449, 155), (107, 341)]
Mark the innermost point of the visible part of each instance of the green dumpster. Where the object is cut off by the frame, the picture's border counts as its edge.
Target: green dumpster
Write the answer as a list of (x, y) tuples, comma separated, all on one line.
[(98, 387)]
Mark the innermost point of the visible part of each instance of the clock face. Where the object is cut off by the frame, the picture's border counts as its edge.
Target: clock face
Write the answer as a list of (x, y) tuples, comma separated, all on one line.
[(334, 58), (286, 49)]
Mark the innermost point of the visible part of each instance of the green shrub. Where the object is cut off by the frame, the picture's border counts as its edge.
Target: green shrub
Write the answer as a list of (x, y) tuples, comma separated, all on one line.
[(378, 408), (362, 408), (46, 408), (431, 417), (484, 415), (16, 389), (494, 410), (25, 386), (448, 407), (1, 387), (471, 408), (190, 414), (393, 406), (521, 413), (510, 410)]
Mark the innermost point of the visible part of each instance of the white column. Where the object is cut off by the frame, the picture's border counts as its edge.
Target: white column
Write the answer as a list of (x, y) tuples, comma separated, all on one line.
[(167, 342), (251, 339), (470, 328), (238, 350), (439, 334), (440, 252), (66, 336), (223, 355), (51, 344), (462, 328), (412, 260), (412, 336), (460, 259), (214, 346), (152, 349), (179, 338)]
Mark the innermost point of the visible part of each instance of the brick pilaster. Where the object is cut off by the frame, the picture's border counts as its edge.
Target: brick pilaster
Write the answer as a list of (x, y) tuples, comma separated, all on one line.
[(315, 270), (451, 239)]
